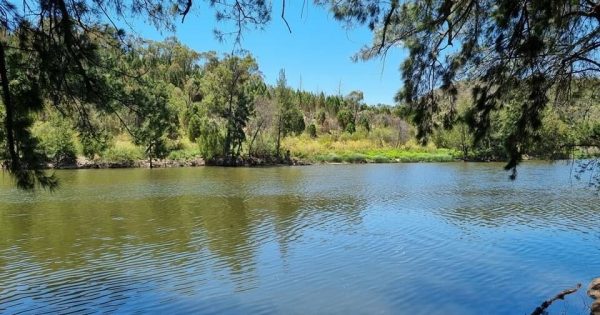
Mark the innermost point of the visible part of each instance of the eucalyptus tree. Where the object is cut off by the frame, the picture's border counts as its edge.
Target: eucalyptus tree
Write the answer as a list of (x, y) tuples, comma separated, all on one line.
[(290, 119), (354, 101), (229, 88)]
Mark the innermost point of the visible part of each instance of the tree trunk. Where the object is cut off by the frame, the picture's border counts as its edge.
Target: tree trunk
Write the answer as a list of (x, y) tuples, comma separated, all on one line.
[(278, 137), (150, 155), (9, 119), (254, 136)]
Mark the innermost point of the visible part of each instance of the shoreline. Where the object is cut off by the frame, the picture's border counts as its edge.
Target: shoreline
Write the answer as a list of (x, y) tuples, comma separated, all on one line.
[(83, 163)]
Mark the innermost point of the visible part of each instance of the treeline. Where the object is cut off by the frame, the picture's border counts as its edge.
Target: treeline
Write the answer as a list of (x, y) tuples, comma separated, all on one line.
[(168, 101), (173, 102), (567, 128)]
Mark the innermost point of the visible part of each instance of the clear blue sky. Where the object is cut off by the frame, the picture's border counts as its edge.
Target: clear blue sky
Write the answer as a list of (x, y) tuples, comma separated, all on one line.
[(317, 53)]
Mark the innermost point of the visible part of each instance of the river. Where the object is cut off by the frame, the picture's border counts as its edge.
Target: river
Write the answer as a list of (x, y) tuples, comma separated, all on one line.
[(452, 238)]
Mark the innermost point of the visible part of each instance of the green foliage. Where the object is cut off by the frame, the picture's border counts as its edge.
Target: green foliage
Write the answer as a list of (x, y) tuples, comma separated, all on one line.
[(154, 120), (193, 127), (290, 118), (163, 93), (126, 154), (312, 130), (364, 123), (321, 116), (228, 89), (211, 138), (184, 154), (346, 120), (292, 122), (92, 145), (56, 139), (505, 50)]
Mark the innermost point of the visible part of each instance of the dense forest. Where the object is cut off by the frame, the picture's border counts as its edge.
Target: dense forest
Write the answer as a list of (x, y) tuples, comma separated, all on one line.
[(182, 107)]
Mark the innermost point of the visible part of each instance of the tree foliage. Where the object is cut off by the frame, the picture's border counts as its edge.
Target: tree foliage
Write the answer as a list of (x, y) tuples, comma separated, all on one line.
[(523, 61), (228, 89), (55, 49), (290, 119), (506, 50)]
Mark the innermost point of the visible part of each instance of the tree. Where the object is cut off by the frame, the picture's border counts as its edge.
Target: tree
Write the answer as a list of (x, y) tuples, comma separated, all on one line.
[(346, 120), (354, 102), (364, 122), (312, 130), (228, 89), (504, 48), (265, 112), (321, 117), (56, 140), (155, 121), (290, 119), (54, 50)]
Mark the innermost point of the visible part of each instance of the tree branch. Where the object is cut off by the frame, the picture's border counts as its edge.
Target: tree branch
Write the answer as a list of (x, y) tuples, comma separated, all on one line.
[(283, 17), (561, 296)]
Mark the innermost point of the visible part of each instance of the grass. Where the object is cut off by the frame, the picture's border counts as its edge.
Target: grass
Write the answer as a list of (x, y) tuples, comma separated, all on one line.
[(186, 154), (122, 150), (326, 149), (343, 148)]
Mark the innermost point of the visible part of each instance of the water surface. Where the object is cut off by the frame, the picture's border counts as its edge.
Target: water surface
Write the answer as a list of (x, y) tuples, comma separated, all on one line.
[(454, 238)]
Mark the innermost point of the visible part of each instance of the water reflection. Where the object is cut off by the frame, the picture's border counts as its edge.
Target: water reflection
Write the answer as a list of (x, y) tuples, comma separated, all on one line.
[(327, 239)]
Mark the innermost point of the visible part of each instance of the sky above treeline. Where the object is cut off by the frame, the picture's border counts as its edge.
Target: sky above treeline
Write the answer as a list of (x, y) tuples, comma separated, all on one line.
[(316, 56)]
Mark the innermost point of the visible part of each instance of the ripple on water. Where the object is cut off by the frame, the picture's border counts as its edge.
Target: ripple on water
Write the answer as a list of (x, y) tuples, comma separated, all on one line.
[(410, 238)]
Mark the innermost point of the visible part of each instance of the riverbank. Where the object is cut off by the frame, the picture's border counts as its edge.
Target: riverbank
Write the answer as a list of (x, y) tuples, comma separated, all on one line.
[(303, 150), (332, 158), (329, 150)]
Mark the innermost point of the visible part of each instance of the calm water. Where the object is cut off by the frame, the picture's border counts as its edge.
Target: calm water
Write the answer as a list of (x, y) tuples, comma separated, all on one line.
[(453, 238)]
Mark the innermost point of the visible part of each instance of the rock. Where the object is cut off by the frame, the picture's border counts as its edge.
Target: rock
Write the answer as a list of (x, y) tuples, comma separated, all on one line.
[(594, 292), (595, 308), (594, 288)]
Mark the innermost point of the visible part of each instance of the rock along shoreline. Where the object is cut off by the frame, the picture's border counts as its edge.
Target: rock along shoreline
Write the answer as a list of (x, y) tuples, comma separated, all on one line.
[(84, 163)]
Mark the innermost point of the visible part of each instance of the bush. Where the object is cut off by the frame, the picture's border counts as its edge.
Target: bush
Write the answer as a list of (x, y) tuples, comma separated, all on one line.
[(381, 159), (93, 145), (56, 139), (356, 158), (123, 153), (321, 116), (312, 130), (184, 155), (345, 118)]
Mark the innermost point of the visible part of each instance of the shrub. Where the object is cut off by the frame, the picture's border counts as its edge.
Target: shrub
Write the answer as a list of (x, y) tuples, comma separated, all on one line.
[(123, 152), (321, 116), (184, 155), (312, 130), (381, 159), (356, 158), (92, 145), (56, 139)]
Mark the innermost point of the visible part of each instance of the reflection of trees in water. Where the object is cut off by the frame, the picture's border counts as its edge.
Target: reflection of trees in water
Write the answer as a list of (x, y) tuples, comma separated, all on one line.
[(220, 231), (227, 224), (107, 250), (67, 234)]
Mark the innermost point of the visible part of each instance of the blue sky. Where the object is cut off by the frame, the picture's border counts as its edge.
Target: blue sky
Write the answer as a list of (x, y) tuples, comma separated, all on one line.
[(316, 54)]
